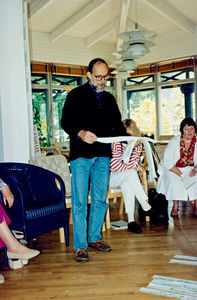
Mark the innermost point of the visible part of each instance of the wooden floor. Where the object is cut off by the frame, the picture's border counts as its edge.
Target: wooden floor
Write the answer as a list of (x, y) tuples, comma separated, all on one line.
[(115, 275)]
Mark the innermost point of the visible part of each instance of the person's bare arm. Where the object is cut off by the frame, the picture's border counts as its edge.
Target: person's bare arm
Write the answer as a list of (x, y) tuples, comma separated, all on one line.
[(176, 171), (7, 195)]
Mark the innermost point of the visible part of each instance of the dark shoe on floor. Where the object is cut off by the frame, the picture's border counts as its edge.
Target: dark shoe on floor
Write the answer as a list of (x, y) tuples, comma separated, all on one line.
[(100, 245), (81, 255), (134, 227)]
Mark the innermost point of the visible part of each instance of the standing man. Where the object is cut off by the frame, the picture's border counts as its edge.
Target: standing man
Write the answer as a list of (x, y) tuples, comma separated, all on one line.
[(90, 112)]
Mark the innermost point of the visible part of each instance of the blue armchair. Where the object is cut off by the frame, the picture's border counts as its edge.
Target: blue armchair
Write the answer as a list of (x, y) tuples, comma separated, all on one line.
[(39, 204)]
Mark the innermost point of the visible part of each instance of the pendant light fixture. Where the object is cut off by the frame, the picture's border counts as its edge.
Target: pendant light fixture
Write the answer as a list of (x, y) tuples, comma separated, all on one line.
[(136, 45)]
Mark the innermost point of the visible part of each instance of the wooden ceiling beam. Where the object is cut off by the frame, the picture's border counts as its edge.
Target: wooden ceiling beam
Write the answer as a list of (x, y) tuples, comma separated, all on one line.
[(36, 6), (123, 21), (173, 14), (80, 15)]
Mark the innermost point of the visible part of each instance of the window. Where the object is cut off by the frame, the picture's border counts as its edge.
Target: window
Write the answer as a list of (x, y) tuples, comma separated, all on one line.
[(139, 80), (39, 79), (59, 97), (173, 109), (176, 97), (142, 110), (66, 80), (41, 116), (177, 75), (49, 94)]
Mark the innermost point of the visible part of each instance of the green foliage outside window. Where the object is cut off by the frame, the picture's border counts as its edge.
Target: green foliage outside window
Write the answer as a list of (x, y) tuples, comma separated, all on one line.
[(39, 117)]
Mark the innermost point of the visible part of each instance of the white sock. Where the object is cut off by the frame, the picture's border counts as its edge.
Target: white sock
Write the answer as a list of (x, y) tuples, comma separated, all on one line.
[(130, 217)]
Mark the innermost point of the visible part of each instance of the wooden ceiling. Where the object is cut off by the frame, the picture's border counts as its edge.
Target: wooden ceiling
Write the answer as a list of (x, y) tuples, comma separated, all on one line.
[(74, 32)]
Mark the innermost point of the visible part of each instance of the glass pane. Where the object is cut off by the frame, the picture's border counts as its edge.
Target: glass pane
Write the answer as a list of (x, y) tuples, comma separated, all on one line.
[(66, 80), (39, 79), (173, 109), (59, 97), (139, 80), (41, 116), (177, 75), (142, 110), (110, 82)]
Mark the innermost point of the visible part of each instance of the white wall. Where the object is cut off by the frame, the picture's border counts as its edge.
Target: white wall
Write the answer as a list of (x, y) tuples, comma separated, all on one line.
[(14, 128)]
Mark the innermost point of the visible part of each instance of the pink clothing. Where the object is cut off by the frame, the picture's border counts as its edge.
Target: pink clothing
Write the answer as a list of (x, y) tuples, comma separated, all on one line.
[(3, 216), (117, 165)]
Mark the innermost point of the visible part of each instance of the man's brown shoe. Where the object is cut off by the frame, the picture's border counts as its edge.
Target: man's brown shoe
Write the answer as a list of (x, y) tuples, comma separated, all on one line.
[(100, 245), (81, 255)]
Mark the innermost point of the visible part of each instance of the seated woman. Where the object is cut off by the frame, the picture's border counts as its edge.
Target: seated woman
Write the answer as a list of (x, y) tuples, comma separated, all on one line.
[(180, 162), (125, 176), (15, 249)]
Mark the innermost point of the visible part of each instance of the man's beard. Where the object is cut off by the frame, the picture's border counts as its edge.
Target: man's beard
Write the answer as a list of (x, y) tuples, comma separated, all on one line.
[(97, 88)]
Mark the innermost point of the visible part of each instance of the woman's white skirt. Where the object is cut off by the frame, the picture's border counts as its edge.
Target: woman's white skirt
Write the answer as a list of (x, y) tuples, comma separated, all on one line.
[(172, 186)]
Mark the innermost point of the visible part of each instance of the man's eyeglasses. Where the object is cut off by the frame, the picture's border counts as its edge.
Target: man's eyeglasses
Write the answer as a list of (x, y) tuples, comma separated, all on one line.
[(100, 77)]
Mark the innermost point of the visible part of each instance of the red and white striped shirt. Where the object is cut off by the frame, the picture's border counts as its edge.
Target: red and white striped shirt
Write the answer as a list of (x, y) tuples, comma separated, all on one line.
[(117, 165)]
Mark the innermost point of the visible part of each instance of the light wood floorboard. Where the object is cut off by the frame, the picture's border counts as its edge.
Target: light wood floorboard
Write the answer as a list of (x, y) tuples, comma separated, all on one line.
[(115, 275)]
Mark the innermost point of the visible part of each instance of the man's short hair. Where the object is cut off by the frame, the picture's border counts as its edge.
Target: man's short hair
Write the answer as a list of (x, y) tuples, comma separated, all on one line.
[(94, 61), (189, 122)]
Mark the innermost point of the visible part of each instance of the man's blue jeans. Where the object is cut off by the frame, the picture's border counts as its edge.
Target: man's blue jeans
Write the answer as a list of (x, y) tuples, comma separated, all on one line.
[(97, 170)]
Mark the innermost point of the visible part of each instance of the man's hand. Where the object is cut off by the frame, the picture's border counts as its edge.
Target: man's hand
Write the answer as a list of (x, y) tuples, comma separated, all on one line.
[(87, 136), (7, 195)]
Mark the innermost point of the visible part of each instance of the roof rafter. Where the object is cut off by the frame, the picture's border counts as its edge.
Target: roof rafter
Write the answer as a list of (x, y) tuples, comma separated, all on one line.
[(123, 21), (80, 15), (36, 6), (102, 32), (173, 14)]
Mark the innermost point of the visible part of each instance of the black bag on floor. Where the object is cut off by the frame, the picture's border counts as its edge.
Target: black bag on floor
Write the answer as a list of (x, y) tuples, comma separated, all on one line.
[(160, 207), (159, 211)]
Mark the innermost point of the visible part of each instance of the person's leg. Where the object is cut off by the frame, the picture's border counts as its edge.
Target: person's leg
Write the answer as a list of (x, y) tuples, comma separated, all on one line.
[(139, 191), (131, 188), (14, 248), (80, 170), (99, 186), (8, 238), (195, 208), (129, 197), (124, 181), (128, 191), (175, 208)]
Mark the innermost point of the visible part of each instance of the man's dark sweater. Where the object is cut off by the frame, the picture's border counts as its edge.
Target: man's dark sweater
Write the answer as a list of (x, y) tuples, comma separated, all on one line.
[(85, 110)]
